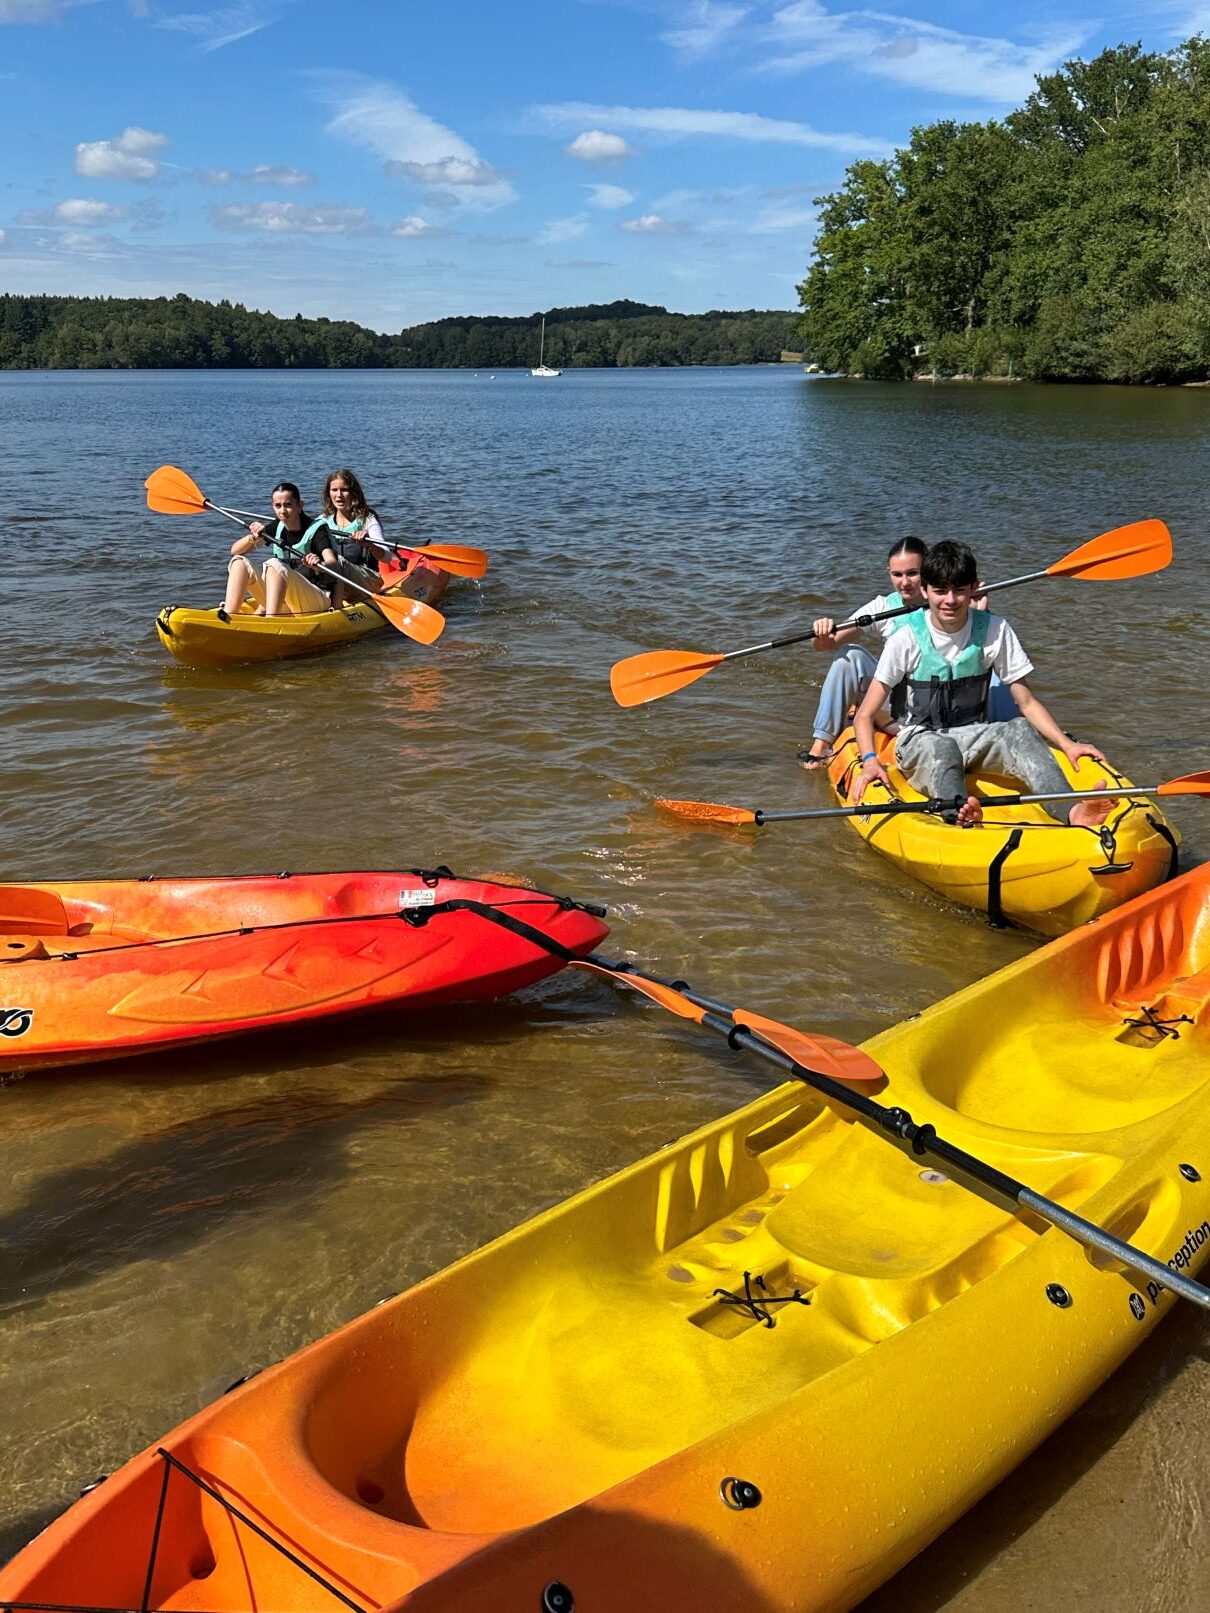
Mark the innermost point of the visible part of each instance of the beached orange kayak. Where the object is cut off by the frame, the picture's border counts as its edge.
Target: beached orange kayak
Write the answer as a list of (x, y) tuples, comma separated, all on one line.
[(103, 969)]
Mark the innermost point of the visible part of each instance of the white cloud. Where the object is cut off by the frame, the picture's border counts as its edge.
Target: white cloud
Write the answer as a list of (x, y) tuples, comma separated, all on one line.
[(127, 156), (707, 23), (563, 229), (578, 263), (415, 228), (214, 176), (79, 211), (679, 123), (609, 196), (381, 118), (33, 10), (654, 224), (3, 237), (276, 174), (214, 29), (920, 55), (291, 218), (594, 145)]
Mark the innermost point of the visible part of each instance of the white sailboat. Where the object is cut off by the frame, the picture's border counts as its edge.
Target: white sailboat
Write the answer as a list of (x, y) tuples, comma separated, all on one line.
[(544, 369)]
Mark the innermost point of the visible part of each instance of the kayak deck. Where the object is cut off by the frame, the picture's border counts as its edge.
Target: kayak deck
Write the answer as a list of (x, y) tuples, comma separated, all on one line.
[(1020, 865), (204, 638), (572, 1402)]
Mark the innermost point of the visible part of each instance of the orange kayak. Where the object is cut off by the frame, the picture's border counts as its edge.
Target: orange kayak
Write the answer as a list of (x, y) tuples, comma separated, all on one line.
[(105, 969)]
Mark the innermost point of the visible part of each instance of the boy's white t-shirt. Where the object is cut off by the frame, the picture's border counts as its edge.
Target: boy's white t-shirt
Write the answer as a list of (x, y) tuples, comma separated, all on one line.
[(1002, 652)]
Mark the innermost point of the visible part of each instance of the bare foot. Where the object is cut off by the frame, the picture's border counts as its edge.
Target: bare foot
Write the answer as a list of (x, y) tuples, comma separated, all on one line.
[(1091, 814), (819, 754), (970, 813)]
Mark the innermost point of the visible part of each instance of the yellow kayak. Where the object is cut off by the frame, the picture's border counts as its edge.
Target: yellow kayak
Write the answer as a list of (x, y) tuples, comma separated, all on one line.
[(758, 1370), (1019, 866), (210, 638)]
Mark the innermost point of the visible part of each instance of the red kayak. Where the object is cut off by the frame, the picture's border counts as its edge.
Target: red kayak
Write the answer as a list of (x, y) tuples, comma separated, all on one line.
[(108, 968)]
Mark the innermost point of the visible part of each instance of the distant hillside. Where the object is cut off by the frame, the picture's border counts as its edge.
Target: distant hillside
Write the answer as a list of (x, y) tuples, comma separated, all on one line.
[(131, 333)]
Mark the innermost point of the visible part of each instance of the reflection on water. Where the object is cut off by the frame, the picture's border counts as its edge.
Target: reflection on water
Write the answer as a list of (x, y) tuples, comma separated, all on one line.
[(171, 1222)]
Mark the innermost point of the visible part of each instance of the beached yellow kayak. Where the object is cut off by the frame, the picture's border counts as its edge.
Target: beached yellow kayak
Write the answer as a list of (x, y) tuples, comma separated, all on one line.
[(759, 1370), (206, 638), (1019, 866)]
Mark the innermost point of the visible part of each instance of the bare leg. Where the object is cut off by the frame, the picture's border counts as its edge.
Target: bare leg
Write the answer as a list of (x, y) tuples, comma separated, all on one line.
[(275, 590), (241, 580)]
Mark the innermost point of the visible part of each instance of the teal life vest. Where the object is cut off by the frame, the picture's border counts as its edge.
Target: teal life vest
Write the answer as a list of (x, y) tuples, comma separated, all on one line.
[(941, 693), (288, 545)]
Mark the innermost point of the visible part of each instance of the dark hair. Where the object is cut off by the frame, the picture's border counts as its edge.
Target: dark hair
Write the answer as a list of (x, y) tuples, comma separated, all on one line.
[(949, 565), (361, 511), (907, 546), (288, 487)]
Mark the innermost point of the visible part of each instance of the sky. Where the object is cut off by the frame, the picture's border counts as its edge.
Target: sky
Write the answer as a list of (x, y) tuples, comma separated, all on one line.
[(405, 160)]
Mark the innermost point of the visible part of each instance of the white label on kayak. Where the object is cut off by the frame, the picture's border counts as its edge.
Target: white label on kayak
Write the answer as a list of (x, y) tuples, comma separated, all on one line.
[(420, 898)]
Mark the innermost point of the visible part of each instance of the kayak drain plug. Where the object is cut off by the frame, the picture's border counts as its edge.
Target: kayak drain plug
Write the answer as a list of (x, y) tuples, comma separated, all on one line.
[(556, 1598), (1058, 1295), (739, 1494)]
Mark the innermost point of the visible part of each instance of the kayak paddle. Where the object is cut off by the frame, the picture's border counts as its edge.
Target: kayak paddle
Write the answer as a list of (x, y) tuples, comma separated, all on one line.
[(837, 1059), (459, 559), (172, 492), (1127, 551), (718, 812), (894, 1124)]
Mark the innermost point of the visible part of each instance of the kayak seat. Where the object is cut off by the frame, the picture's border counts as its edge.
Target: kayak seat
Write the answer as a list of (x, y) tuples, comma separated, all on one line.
[(27, 911)]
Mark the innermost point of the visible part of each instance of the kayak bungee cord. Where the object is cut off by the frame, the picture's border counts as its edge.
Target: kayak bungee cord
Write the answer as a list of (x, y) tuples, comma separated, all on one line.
[(896, 1124)]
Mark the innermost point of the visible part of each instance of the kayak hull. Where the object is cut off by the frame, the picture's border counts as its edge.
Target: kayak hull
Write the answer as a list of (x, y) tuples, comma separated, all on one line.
[(203, 638), (575, 1405), (1019, 866), (127, 966)]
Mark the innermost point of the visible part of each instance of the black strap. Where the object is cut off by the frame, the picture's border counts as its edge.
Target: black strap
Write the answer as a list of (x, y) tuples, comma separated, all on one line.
[(995, 907), (1162, 829), (419, 917)]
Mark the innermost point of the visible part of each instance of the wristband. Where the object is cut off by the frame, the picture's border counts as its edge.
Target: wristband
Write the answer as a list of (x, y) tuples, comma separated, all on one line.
[(870, 756)]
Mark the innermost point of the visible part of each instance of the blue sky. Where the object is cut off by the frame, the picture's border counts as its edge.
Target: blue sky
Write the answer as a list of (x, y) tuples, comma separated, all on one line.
[(399, 161)]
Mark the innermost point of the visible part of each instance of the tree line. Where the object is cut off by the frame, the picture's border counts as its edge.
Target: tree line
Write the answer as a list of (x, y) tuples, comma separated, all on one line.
[(1068, 242), (180, 332)]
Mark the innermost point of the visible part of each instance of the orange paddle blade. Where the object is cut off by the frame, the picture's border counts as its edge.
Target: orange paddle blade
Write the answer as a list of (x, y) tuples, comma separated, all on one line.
[(171, 492), (1128, 551), (459, 559), (674, 1001), (1191, 784), (706, 811), (412, 616), (652, 675), (823, 1055)]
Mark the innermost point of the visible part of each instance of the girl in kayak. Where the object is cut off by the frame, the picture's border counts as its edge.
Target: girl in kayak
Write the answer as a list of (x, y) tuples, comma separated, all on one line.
[(357, 536), (936, 671), (281, 587), (850, 673)]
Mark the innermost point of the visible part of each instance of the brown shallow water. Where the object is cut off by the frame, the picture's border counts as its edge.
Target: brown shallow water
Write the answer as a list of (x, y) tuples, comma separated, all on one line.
[(166, 1225)]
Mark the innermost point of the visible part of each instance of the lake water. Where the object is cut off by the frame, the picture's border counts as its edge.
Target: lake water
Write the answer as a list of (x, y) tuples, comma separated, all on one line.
[(170, 1224)]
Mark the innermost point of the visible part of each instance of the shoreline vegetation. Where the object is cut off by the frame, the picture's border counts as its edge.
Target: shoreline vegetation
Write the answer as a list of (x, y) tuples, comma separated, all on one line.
[(1068, 242), (181, 332)]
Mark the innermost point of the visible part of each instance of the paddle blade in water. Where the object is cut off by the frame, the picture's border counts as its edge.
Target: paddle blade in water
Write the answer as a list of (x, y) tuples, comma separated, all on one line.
[(171, 492), (674, 1001), (1191, 784), (823, 1055), (412, 616), (706, 811), (652, 675), (1128, 551)]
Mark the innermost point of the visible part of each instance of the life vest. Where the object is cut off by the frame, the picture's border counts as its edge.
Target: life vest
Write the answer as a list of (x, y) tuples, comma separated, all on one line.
[(349, 546), (941, 693), (288, 544)]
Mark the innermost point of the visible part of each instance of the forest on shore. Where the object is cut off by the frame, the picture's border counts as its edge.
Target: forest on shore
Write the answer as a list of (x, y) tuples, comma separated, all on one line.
[(180, 332), (1068, 242)]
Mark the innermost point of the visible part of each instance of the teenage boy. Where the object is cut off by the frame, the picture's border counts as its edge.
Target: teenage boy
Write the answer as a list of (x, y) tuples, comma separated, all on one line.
[(936, 671)]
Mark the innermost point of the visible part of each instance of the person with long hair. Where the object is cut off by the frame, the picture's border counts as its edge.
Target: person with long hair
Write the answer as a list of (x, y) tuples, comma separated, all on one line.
[(296, 544), (356, 533)]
